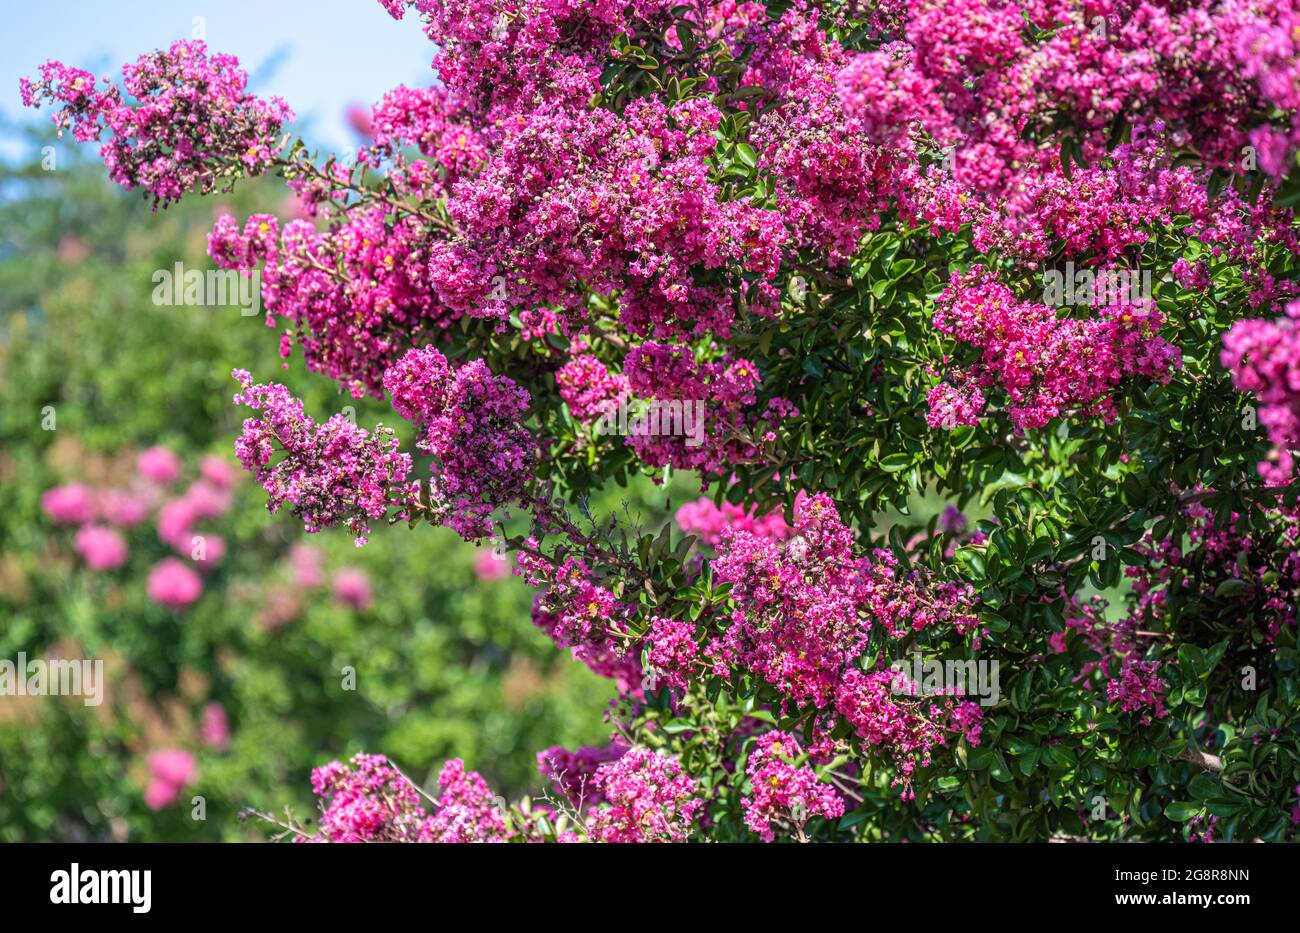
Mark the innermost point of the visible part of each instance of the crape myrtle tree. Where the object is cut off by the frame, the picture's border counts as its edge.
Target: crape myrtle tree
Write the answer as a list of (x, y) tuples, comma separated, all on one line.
[(1037, 260)]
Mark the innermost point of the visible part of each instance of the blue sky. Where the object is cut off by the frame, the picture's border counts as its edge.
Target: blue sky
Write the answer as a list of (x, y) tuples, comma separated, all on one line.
[(319, 56)]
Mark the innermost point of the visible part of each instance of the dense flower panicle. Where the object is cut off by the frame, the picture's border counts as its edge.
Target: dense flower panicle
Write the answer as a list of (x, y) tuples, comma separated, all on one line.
[(367, 800), (193, 127), (332, 474), (1210, 70), (1264, 359), (174, 585), (671, 653), (782, 792), (725, 392), (467, 810), (796, 620), (624, 203), (648, 798), (805, 607), (1045, 364), (428, 119), (885, 712), (349, 296), (588, 388), (1139, 687), (472, 424), (951, 406)]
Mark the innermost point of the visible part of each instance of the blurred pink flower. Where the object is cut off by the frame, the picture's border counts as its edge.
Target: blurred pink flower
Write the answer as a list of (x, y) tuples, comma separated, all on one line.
[(158, 465), (171, 770), (206, 550), (122, 507), (489, 565), (352, 588), (175, 519), (208, 500), (73, 504), (173, 585), (103, 548), (220, 473), (215, 731), (306, 561)]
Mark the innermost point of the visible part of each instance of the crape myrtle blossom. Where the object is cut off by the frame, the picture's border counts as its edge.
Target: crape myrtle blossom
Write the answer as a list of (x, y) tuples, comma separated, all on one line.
[(193, 127), (1046, 364), (647, 798), (1264, 359), (781, 790), (349, 296), (368, 800), (803, 613), (573, 772), (983, 71), (332, 474), (733, 430), (472, 424)]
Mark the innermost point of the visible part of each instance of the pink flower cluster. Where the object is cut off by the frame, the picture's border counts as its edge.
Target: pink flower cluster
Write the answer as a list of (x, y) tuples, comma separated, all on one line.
[(878, 705), (1046, 365), (781, 791), (471, 422), (805, 607), (580, 615), (193, 127), (351, 295), (368, 800), (978, 73), (333, 473), (708, 521), (647, 798), (1264, 359), (671, 653), (588, 388), (1139, 687), (731, 432)]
